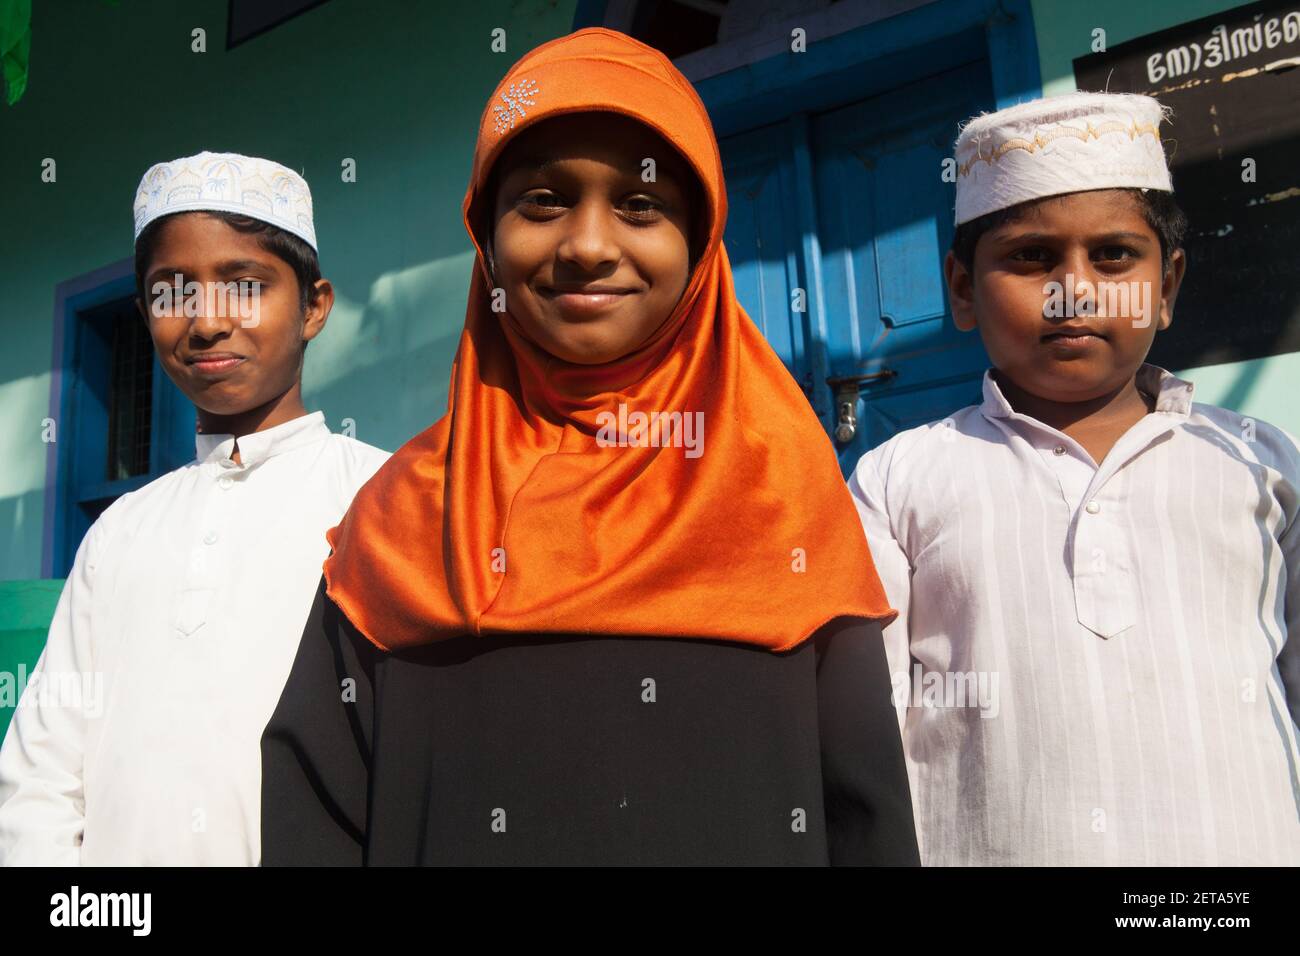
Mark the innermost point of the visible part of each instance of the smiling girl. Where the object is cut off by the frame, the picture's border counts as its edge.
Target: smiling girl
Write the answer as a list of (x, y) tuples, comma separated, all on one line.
[(534, 646)]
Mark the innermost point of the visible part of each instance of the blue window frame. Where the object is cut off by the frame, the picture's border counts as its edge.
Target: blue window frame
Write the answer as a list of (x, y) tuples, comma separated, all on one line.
[(120, 422)]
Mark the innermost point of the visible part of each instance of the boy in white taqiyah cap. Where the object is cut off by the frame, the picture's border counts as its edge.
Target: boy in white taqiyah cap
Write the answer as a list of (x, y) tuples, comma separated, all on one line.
[(1097, 657), (187, 598)]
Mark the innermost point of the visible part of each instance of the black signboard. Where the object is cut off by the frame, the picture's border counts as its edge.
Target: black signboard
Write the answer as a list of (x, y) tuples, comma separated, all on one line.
[(1233, 82)]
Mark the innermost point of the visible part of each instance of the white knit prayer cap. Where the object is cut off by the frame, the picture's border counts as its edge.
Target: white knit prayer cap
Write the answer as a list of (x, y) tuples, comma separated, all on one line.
[(1061, 144), (227, 182)]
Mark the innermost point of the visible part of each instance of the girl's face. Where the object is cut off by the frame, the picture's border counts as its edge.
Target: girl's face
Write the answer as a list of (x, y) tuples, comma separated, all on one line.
[(592, 257)]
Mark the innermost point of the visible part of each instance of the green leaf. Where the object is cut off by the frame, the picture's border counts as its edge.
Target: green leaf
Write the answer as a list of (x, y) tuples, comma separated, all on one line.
[(15, 46)]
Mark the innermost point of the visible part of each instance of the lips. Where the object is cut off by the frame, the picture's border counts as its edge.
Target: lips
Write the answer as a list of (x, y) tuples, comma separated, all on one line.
[(585, 300), (1071, 334), (214, 363)]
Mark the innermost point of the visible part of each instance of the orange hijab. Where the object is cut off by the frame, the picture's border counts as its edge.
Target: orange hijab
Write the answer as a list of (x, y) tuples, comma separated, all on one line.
[(508, 516)]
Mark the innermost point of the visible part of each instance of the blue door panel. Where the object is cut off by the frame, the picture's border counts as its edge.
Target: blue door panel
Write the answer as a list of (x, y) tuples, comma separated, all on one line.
[(761, 241), (864, 233), (848, 267), (886, 215), (909, 274)]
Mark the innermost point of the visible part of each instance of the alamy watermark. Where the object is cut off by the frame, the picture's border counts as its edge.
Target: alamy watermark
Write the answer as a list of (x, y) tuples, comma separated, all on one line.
[(78, 690), (945, 689), (1104, 300), (129, 910), (241, 300), (627, 429)]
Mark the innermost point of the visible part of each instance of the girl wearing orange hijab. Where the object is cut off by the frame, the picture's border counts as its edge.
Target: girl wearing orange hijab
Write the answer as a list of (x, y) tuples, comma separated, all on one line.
[(616, 605)]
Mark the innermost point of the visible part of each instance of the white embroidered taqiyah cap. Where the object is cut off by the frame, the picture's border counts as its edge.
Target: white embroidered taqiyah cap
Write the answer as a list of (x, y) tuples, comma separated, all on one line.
[(1061, 144), (227, 182)]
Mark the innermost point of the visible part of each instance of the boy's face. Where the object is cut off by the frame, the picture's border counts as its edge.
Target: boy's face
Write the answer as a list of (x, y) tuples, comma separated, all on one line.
[(1036, 278), (225, 362), (592, 258)]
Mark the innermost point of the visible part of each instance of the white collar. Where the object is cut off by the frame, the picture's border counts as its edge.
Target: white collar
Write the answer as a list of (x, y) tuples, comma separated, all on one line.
[(1173, 395), (256, 447)]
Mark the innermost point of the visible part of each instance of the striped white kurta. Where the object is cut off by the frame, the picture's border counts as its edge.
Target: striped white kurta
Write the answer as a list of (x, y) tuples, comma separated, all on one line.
[(1091, 662)]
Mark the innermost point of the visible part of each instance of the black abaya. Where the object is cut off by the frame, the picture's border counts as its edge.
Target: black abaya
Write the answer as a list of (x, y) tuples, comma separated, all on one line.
[(585, 750)]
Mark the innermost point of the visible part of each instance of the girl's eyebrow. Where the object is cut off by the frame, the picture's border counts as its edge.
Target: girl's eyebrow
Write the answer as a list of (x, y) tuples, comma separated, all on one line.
[(533, 164)]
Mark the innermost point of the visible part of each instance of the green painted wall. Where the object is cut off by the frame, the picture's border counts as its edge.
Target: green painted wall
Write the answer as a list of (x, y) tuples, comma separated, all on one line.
[(26, 608), (115, 88), (1264, 388)]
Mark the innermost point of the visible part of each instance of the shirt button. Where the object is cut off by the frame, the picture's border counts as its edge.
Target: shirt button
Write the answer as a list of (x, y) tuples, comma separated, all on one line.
[(225, 482), (1092, 507), (210, 538), (1058, 450)]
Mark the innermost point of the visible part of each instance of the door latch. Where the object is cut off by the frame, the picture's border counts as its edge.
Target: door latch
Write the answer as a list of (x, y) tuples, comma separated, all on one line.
[(847, 388)]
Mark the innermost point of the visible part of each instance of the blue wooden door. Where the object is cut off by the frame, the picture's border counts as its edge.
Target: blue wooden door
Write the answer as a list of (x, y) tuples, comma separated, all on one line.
[(851, 207), (763, 241)]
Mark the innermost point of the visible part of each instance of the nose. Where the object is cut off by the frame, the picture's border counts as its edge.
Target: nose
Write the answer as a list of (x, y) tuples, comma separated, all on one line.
[(589, 244), (1076, 277), (1075, 262), (213, 320)]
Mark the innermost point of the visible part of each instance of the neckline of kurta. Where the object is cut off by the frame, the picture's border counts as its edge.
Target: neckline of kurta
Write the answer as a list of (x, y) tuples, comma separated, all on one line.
[(1173, 395), (257, 447)]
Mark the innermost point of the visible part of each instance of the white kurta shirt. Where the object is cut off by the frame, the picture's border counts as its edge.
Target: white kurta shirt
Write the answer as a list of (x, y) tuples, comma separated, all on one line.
[(139, 741), (1089, 659)]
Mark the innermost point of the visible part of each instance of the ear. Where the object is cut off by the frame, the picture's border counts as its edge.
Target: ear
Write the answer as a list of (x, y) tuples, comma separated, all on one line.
[(1169, 286), (318, 310), (140, 307), (961, 292)]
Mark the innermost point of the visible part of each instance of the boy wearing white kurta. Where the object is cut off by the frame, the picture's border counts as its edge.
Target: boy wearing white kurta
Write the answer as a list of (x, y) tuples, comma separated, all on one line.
[(1097, 578), (137, 738)]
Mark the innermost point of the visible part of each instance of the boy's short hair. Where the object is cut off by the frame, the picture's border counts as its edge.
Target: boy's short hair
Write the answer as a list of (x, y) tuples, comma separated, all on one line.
[(1160, 210), (295, 252)]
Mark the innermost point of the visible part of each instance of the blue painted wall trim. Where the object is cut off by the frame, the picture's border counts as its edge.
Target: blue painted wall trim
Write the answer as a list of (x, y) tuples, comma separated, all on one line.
[(876, 56), (881, 56), (1013, 53)]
